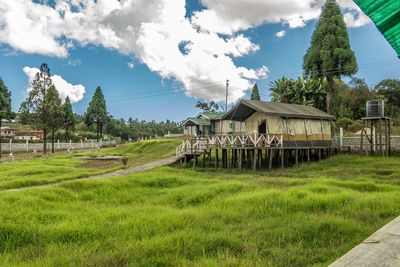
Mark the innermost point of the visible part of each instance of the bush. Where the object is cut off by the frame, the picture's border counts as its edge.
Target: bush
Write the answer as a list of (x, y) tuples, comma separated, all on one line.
[(344, 123), (354, 127)]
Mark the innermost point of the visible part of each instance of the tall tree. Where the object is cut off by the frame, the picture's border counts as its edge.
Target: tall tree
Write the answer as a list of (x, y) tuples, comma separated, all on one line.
[(5, 106), (97, 112), (54, 112), (35, 104), (255, 94), (390, 89), (69, 118), (330, 55)]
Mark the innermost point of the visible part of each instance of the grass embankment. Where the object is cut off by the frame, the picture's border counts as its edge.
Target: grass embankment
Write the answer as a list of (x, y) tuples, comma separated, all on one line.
[(182, 217), (66, 167)]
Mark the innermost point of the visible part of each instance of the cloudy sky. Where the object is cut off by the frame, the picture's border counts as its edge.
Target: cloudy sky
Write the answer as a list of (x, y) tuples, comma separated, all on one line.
[(155, 58)]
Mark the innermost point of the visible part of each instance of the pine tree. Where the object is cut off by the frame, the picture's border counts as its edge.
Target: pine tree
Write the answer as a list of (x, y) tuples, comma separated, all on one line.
[(330, 55), (5, 106), (97, 112), (54, 112), (255, 94), (35, 105), (69, 118)]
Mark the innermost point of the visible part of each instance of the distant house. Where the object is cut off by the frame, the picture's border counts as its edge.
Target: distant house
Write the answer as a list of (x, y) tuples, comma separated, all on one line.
[(31, 135), (7, 132), (211, 123), (297, 125)]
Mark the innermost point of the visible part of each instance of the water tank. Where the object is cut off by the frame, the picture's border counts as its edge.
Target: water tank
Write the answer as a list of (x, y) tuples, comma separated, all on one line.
[(375, 108)]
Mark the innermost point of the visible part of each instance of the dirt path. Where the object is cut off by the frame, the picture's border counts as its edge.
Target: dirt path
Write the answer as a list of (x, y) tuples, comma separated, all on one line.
[(135, 169)]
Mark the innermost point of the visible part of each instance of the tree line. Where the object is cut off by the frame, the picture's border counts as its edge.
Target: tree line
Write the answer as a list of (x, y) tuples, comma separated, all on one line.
[(45, 110)]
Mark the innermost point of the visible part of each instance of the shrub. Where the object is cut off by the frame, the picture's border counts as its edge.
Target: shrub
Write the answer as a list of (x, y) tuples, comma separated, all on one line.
[(344, 123)]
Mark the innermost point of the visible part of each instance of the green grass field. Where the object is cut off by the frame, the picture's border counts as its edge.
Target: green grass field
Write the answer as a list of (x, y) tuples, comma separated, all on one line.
[(66, 167), (183, 217)]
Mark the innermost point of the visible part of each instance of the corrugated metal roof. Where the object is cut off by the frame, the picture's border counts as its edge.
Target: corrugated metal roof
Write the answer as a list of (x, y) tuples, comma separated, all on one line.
[(197, 121), (246, 108), (386, 16), (212, 115)]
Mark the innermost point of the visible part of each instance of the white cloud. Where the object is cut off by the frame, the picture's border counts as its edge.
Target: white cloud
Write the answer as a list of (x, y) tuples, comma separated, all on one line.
[(227, 16), (64, 88), (192, 50), (280, 34)]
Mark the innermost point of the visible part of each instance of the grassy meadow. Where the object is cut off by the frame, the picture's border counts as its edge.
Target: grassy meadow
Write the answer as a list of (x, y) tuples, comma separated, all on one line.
[(171, 216), (68, 166)]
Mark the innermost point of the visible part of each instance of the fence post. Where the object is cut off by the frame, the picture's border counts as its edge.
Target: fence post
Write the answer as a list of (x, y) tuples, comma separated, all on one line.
[(81, 143), (10, 145), (58, 144), (341, 137), (70, 144), (373, 139), (91, 144), (27, 145)]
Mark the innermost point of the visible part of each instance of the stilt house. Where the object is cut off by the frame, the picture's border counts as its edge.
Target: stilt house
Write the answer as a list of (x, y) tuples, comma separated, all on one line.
[(296, 125)]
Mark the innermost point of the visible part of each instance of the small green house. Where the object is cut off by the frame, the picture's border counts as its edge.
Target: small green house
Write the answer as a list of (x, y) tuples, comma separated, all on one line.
[(211, 123)]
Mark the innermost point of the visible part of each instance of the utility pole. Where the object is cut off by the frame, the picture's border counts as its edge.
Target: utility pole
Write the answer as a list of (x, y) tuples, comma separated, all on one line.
[(226, 98)]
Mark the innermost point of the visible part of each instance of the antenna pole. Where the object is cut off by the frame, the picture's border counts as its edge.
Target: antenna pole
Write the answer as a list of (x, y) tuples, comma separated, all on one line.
[(226, 97)]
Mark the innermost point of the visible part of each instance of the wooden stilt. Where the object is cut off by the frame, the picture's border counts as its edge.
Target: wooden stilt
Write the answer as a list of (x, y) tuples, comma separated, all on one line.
[(216, 159), (271, 155), (240, 159), (282, 154), (309, 156), (297, 157), (254, 159)]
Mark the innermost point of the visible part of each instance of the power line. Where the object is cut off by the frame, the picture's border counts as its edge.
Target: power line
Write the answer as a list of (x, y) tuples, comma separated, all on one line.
[(162, 92)]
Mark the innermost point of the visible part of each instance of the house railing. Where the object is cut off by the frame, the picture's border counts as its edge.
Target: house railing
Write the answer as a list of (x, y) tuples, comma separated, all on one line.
[(202, 144)]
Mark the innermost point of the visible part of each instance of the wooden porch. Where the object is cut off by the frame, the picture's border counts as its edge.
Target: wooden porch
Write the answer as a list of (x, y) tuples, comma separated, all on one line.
[(252, 151)]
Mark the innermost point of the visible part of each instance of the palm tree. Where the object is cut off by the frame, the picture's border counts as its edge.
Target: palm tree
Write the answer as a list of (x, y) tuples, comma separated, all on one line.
[(301, 91), (280, 90)]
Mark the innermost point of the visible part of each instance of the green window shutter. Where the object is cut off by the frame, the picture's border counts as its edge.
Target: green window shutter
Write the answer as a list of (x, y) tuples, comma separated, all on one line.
[(386, 16)]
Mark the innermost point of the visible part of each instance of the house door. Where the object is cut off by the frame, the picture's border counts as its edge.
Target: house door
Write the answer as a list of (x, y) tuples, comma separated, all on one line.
[(262, 128)]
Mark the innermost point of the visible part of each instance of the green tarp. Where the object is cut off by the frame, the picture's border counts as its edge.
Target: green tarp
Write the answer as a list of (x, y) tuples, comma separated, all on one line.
[(386, 16)]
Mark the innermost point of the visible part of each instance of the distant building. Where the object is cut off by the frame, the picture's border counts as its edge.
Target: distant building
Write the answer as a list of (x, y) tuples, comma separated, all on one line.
[(211, 123), (31, 135), (7, 132)]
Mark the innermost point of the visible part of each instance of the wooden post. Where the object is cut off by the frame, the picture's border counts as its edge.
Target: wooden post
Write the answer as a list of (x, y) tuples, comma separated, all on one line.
[(362, 138), (195, 159), (254, 159), (308, 155), (386, 138), (216, 158), (271, 154), (240, 159), (282, 154), (260, 159), (204, 160), (319, 154), (389, 139), (297, 157), (380, 138)]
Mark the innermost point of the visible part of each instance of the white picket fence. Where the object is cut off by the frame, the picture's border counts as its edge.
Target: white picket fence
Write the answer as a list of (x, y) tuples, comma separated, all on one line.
[(59, 146)]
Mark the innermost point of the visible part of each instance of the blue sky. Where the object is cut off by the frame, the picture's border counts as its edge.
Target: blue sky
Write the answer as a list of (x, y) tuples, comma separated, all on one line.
[(135, 87)]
